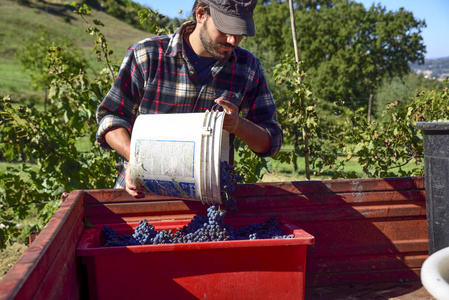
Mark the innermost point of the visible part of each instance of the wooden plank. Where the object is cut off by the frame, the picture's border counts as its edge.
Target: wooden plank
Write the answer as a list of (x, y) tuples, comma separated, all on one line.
[(332, 262), (366, 276), (366, 198), (279, 189), (120, 195), (112, 219), (119, 212), (399, 289), (342, 212), (348, 233), (130, 208), (63, 276), (25, 278), (362, 263), (330, 186)]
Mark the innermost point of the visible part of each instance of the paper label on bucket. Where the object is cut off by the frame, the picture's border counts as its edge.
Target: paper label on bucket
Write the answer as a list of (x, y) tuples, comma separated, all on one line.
[(166, 167)]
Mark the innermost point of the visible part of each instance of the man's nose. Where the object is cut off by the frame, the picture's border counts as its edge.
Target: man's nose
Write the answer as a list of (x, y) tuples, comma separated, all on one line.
[(234, 40)]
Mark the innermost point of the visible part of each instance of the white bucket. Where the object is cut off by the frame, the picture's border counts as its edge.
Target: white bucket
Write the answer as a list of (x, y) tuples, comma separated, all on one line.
[(435, 274), (179, 154)]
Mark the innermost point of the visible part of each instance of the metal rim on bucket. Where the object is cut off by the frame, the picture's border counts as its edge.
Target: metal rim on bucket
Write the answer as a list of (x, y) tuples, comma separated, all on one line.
[(211, 145)]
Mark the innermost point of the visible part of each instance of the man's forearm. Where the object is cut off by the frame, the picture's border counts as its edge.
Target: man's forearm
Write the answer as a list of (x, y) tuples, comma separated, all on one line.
[(255, 136), (118, 139)]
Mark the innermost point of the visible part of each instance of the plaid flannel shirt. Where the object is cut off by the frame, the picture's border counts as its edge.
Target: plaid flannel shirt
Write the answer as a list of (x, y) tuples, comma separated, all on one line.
[(156, 77)]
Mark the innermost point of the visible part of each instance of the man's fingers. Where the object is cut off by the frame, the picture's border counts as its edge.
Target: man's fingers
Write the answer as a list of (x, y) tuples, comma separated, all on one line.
[(135, 194), (131, 188), (228, 107)]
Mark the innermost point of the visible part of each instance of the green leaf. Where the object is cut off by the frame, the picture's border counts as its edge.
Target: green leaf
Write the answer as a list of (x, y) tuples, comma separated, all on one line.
[(86, 9), (74, 120), (74, 3), (98, 22), (9, 154)]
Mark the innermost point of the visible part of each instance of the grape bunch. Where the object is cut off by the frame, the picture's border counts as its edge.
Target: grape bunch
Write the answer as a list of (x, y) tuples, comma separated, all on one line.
[(163, 237), (269, 229), (145, 234), (113, 239), (228, 179), (208, 228)]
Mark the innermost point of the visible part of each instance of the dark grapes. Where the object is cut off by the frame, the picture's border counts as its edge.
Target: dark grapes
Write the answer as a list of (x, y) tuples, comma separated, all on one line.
[(114, 239), (228, 179), (144, 232), (209, 228), (265, 230)]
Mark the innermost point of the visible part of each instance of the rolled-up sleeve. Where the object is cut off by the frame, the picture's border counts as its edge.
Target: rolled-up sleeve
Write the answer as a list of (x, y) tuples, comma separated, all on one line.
[(108, 122), (120, 106), (276, 136)]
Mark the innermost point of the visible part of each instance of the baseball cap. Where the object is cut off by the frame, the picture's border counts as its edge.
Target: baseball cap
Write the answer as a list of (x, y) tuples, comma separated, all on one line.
[(233, 16)]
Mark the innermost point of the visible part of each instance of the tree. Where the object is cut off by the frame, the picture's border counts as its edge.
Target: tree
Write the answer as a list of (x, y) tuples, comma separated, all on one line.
[(298, 111), (348, 61), (346, 49)]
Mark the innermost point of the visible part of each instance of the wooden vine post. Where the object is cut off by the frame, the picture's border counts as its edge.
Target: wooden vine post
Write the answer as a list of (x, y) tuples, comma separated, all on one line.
[(295, 46)]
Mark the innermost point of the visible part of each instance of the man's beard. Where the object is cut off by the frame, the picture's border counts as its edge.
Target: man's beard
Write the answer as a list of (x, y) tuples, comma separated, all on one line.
[(210, 46)]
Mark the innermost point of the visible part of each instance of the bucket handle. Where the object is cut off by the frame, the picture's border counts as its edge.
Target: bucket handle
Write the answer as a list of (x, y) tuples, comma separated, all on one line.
[(207, 167)]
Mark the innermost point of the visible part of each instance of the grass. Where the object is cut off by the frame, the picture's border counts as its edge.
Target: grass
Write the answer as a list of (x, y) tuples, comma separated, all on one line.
[(285, 171), (9, 256), (21, 23), (13, 80)]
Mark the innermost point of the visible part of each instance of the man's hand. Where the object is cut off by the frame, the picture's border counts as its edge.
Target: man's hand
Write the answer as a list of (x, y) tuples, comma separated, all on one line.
[(118, 138), (255, 136), (131, 188), (231, 121)]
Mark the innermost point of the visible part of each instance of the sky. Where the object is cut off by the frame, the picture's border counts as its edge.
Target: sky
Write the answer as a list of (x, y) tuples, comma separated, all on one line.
[(434, 12)]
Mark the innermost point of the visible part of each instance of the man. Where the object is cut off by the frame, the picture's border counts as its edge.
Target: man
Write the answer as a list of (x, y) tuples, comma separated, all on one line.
[(198, 66)]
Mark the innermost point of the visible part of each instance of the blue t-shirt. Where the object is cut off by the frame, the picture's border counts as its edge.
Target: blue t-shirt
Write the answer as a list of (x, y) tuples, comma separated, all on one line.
[(201, 64)]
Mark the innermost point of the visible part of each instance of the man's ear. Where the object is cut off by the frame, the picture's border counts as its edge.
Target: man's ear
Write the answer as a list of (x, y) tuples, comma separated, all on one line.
[(201, 14)]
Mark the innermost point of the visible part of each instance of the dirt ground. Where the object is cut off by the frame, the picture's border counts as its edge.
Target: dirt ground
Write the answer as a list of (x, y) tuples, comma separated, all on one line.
[(9, 256)]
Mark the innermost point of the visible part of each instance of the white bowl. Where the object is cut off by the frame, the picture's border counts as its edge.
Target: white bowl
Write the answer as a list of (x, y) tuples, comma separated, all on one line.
[(435, 274)]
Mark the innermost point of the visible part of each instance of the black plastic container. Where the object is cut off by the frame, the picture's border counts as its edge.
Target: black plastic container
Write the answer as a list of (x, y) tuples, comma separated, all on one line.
[(436, 164)]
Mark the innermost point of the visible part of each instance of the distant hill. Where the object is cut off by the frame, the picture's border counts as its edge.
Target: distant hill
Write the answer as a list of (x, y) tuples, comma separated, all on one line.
[(433, 68), (21, 22)]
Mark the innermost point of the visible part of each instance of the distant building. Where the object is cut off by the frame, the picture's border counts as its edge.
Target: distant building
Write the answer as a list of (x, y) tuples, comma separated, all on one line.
[(433, 68), (426, 73)]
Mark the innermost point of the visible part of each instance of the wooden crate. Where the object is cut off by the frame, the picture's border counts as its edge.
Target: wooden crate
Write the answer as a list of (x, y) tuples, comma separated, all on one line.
[(366, 230)]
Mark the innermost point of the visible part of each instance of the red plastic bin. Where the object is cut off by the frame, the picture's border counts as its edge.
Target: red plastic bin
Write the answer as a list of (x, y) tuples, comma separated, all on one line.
[(248, 269)]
